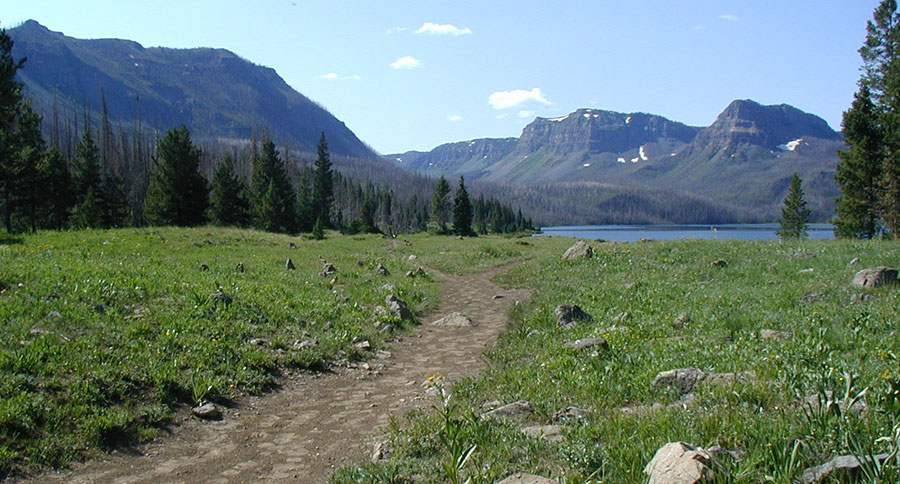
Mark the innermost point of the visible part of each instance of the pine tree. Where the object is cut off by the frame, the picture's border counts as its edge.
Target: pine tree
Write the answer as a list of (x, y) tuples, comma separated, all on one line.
[(440, 204), (229, 205), (88, 214), (272, 197), (323, 184), (318, 231), (795, 214), (87, 184), (58, 184), (859, 171), (27, 193), (462, 211), (178, 193), (10, 111), (115, 207)]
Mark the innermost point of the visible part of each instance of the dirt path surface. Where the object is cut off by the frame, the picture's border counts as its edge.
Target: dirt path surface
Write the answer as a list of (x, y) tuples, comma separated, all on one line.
[(315, 423)]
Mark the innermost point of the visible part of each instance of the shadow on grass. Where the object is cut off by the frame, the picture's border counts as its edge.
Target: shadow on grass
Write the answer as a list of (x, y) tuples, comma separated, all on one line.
[(6, 239)]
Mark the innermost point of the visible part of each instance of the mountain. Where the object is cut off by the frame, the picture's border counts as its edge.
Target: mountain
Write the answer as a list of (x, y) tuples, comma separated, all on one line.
[(215, 93), (742, 163)]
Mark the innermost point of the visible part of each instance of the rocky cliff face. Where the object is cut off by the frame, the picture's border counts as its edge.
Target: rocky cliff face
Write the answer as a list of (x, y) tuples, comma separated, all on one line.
[(598, 131)]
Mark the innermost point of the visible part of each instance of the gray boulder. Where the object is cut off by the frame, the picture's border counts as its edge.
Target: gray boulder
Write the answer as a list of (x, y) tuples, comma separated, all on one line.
[(838, 467), (381, 270), (875, 277), (398, 307), (550, 433), (568, 315), (523, 478), (454, 319), (328, 269), (207, 411), (570, 413), (581, 250), (583, 343), (289, 265), (679, 463), (686, 380), (517, 411)]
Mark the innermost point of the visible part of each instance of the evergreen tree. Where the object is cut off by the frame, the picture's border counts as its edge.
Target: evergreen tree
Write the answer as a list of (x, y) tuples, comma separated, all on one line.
[(795, 214), (859, 171), (88, 214), (10, 111), (58, 184), (28, 191), (462, 211), (115, 207), (318, 231), (178, 193), (440, 204), (229, 205), (305, 213), (323, 184), (86, 167), (272, 197)]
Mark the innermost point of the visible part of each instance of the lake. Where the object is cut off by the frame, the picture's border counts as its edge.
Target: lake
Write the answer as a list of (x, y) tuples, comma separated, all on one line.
[(632, 233)]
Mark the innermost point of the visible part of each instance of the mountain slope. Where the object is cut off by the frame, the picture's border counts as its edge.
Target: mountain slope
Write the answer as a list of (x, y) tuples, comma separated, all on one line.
[(213, 92)]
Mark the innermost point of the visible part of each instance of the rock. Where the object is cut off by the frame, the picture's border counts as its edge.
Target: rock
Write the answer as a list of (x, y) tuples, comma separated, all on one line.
[(412, 258), (497, 296), (570, 413), (204, 267), (380, 312), (806, 271), (292, 245), (363, 345), (621, 317), (687, 380), (419, 272), (361, 263), (239, 267), (381, 450), (838, 468), (812, 403), (258, 342), (99, 308), (221, 297), (550, 433), (588, 343), (776, 335), (289, 264), (683, 319), (328, 269), (39, 332), (854, 261), (302, 345), (517, 411), (679, 463), (567, 315), (875, 277), (398, 307), (581, 250), (454, 319), (523, 478), (719, 263), (388, 287), (382, 270), (208, 411), (53, 315), (809, 297)]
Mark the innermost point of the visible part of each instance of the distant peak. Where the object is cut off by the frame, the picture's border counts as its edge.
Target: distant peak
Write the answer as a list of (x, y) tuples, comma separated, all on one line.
[(33, 25)]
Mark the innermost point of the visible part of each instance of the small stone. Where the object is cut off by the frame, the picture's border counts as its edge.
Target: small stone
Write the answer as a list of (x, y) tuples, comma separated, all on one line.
[(687, 380), (517, 411), (204, 267), (682, 319), (221, 297), (309, 343), (581, 250), (776, 335), (621, 317), (412, 258), (53, 315), (361, 263), (239, 267), (570, 413), (292, 245), (568, 315), (289, 265), (550, 433), (208, 411), (388, 287), (806, 271), (99, 308), (454, 319), (809, 297), (333, 281), (854, 261), (719, 263), (363, 345), (398, 307), (328, 269), (583, 343), (258, 342), (875, 277), (381, 450), (497, 296), (523, 478), (381, 270)]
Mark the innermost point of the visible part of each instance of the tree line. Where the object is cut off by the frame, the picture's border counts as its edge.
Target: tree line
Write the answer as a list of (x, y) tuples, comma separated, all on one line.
[(101, 178)]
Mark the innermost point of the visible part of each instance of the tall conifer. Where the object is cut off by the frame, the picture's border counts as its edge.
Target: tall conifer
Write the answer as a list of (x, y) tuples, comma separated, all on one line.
[(323, 184), (229, 205), (795, 214), (178, 193), (462, 211)]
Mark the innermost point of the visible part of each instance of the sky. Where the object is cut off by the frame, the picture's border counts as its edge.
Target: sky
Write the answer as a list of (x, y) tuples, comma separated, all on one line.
[(413, 74)]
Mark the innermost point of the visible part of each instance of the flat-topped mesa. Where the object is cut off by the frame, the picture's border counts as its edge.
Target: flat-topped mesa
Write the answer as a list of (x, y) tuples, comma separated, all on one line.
[(599, 131)]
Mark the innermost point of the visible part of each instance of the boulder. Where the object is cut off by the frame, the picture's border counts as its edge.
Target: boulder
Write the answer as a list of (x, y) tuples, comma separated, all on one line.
[(289, 264), (207, 411), (839, 467), (682, 319), (679, 463), (381, 450), (567, 315), (581, 250), (381, 270), (875, 277), (523, 478), (419, 272), (719, 263), (517, 411), (454, 319), (583, 343), (328, 269), (398, 307), (550, 433), (776, 335), (686, 380), (239, 267), (204, 267)]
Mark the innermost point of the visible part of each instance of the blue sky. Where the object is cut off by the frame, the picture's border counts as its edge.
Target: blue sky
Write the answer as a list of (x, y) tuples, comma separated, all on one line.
[(413, 74)]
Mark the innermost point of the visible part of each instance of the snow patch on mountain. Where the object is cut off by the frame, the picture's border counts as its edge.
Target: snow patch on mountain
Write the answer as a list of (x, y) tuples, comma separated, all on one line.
[(791, 145)]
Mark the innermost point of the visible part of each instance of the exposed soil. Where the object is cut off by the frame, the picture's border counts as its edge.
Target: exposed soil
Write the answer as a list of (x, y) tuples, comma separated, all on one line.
[(315, 423)]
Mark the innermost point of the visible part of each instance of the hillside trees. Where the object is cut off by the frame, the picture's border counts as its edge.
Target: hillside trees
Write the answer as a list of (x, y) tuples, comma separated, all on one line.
[(272, 198), (178, 193), (869, 172)]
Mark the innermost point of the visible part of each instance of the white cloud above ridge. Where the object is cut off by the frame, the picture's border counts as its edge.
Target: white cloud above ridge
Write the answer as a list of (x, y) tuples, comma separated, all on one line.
[(332, 76), (406, 62), (517, 97), (454, 117), (729, 17), (443, 29)]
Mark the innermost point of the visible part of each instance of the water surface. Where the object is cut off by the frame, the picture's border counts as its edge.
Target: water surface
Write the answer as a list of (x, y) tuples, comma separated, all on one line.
[(631, 233)]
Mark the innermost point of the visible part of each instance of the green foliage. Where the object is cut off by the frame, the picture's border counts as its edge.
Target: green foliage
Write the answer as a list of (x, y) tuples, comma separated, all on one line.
[(178, 193), (318, 230), (273, 201), (58, 179), (440, 204), (795, 214), (462, 211), (229, 205), (323, 184)]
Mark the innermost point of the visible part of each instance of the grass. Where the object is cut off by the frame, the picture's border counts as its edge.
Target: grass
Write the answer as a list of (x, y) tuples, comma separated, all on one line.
[(795, 414), (107, 334)]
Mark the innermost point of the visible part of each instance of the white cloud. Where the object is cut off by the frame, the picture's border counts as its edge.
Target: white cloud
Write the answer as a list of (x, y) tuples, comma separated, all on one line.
[(454, 117), (526, 114), (331, 76), (406, 62), (442, 29), (395, 30), (729, 17), (517, 97)]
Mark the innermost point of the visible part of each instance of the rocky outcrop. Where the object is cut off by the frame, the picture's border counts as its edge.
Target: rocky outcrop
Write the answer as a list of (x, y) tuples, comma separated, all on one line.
[(579, 250), (875, 277)]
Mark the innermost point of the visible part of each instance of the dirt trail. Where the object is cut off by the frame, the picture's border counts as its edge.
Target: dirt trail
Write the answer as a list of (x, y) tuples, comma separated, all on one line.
[(316, 423)]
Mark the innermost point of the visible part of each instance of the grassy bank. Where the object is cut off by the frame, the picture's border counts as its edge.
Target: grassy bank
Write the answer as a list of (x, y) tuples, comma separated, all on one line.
[(107, 334), (662, 306)]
